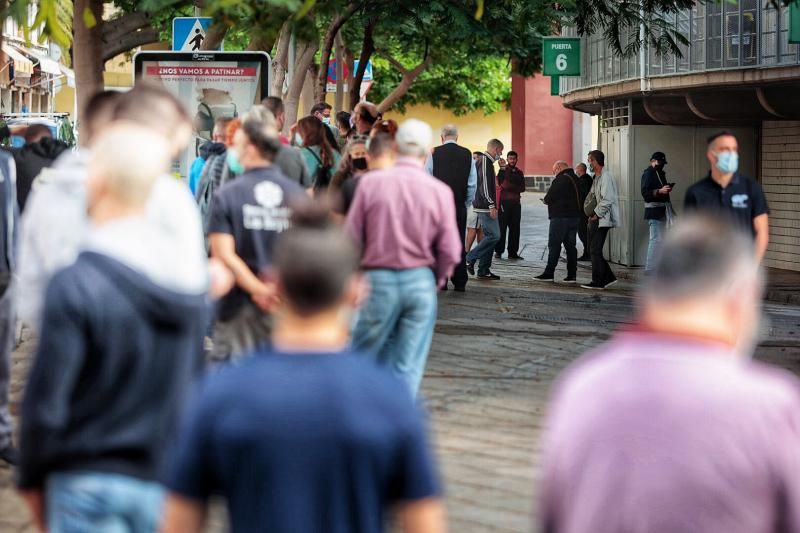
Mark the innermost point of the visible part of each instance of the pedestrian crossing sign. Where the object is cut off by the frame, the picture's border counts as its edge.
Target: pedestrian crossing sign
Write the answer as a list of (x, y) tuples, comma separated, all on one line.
[(188, 33)]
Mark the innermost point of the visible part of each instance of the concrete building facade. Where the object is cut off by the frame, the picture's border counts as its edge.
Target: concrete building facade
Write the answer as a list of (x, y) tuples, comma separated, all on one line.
[(738, 72)]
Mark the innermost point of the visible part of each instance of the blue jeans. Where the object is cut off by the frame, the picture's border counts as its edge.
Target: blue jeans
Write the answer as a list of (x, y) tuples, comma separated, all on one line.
[(78, 502), (484, 250), (657, 228), (396, 323)]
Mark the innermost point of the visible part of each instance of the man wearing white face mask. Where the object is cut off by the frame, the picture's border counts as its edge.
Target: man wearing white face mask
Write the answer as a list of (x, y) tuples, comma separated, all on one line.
[(669, 425), (724, 190)]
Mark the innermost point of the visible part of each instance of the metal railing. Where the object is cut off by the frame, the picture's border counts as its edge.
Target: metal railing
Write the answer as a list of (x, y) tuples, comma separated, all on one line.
[(731, 34)]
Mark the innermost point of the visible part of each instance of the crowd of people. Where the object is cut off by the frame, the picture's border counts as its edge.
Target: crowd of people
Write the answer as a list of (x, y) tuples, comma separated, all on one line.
[(265, 339)]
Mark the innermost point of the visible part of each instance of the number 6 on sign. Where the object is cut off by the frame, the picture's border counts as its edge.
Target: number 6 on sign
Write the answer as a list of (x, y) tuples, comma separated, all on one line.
[(561, 62), (561, 56)]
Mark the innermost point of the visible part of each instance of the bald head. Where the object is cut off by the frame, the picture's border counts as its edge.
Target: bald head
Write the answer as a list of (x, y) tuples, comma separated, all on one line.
[(117, 170), (559, 167)]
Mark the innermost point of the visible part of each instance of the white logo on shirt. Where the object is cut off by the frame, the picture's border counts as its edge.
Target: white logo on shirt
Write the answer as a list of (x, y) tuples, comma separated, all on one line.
[(268, 194), (268, 215), (739, 201)]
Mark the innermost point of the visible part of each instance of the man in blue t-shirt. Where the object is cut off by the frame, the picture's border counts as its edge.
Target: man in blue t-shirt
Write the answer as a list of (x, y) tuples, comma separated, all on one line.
[(308, 437), (247, 214)]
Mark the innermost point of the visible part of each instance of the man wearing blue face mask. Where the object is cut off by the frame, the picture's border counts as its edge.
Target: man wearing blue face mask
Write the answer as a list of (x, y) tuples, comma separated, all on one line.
[(247, 215), (726, 191)]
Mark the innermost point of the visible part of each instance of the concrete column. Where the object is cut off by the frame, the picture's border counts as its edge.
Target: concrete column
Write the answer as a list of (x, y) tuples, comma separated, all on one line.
[(541, 128)]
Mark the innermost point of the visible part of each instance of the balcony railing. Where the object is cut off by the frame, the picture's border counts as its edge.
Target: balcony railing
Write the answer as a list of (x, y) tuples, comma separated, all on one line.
[(731, 34)]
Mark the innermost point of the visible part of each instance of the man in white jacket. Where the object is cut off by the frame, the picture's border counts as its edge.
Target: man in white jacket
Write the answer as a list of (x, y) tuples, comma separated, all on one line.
[(55, 225), (606, 216)]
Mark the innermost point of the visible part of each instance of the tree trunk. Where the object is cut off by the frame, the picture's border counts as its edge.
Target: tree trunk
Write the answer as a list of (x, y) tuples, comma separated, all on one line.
[(309, 87), (214, 36), (327, 45), (119, 27), (350, 59), (409, 76), (87, 53), (305, 56), (280, 62), (367, 49), (338, 102), (259, 41)]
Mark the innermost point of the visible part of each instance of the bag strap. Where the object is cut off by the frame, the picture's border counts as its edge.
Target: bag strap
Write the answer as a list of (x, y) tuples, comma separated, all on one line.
[(314, 154), (577, 194)]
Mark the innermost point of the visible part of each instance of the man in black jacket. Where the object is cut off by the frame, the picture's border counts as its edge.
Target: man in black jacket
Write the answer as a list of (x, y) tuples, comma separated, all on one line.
[(120, 344), (453, 164), (39, 152), (485, 206), (655, 191), (564, 210), (584, 186)]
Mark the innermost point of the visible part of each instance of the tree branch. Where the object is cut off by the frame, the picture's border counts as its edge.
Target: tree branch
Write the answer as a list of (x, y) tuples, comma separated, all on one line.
[(280, 61), (392, 61), (214, 36), (409, 77), (129, 42), (327, 46), (119, 27)]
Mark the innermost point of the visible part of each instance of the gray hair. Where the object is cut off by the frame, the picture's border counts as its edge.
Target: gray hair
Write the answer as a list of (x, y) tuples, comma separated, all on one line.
[(450, 130), (494, 144), (702, 257), (560, 165), (414, 138)]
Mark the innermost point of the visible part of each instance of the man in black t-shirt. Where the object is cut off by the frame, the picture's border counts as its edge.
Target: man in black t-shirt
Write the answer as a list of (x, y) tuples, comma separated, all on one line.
[(247, 214), (725, 191)]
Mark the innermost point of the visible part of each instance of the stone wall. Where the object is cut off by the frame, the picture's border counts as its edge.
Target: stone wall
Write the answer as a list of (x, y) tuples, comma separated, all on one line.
[(538, 183)]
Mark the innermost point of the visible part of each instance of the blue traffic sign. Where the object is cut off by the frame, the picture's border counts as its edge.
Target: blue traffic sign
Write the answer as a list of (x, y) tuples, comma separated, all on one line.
[(188, 33)]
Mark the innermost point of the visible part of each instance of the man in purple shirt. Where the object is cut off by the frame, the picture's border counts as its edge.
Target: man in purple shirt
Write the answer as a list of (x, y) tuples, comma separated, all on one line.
[(670, 426), (405, 221)]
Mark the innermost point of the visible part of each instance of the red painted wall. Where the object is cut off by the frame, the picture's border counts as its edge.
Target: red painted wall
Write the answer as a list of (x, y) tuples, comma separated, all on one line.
[(541, 128)]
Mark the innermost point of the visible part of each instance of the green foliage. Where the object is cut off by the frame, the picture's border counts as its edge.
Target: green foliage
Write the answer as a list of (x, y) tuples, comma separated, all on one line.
[(462, 85)]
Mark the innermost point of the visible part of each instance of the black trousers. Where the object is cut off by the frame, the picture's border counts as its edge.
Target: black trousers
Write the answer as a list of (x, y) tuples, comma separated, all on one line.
[(583, 231), (460, 276), (509, 218), (601, 270), (562, 232)]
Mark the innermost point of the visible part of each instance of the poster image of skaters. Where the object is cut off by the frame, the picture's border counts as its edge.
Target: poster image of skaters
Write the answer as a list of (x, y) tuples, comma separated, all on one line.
[(211, 86)]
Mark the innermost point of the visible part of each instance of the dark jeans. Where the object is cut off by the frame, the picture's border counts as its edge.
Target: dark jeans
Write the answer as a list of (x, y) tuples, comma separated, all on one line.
[(601, 271), (460, 276), (562, 231), (583, 230), (509, 217)]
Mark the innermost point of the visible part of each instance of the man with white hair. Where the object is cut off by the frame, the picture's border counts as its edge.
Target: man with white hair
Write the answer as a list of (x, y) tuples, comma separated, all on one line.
[(453, 164), (670, 426), (119, 347), (405, 221)]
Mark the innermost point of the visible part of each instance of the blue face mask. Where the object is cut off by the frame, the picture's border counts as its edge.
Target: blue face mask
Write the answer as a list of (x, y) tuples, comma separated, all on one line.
[(298, 140), (233, 162), (728, 162)]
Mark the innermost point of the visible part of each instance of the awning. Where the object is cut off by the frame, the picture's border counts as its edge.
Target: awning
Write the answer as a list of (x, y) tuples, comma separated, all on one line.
[(69, 74), (22, 65), (45, 63)]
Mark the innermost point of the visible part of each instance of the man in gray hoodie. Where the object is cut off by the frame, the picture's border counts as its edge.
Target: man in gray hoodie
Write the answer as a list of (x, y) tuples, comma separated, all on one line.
[(605, 216)]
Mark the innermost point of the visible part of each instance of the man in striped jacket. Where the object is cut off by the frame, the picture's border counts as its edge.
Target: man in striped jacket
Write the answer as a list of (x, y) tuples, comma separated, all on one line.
[(485, 206)]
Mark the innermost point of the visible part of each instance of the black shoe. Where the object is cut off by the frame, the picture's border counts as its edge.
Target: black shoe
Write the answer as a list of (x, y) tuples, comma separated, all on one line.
[(498, 256), (544, 277), (584, 257), (517, 257), (569, 279), (471, 268), (593, 286), (9, 455), (610, 283), (460, 288), (488, 276)]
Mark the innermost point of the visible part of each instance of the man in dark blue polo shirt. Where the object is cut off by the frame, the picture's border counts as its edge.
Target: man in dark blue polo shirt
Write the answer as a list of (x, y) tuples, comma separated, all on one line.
[(724, 190)]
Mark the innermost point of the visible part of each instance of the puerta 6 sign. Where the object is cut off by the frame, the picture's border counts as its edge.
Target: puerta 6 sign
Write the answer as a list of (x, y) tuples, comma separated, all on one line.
[(562, 56)]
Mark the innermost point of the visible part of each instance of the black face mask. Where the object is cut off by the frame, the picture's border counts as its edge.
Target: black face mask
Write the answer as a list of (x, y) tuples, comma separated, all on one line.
[(360, 163)]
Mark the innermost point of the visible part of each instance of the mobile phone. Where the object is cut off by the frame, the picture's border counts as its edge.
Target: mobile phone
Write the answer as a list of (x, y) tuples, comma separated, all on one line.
[(671, 185)]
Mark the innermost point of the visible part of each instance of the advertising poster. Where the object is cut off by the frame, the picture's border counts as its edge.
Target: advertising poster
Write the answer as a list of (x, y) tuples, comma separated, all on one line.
[(211, 85)]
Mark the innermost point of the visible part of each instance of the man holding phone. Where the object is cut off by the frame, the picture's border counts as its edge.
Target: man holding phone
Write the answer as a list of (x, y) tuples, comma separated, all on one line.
[(655, 191)]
